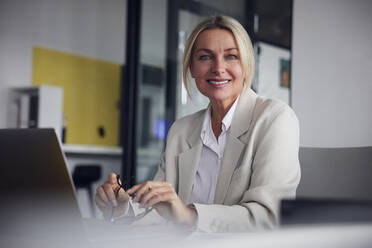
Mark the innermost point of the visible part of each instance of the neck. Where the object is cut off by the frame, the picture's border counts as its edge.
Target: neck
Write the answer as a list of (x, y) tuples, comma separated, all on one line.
[(220, 109)]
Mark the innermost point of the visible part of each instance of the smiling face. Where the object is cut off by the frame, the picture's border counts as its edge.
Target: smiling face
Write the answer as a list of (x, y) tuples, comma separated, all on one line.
[(216, 66)]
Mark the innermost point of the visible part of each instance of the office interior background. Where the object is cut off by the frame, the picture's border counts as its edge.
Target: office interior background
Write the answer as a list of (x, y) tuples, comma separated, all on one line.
[(118, 64)]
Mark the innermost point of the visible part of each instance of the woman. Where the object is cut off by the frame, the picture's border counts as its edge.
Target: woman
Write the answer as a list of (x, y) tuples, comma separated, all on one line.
[(225, 168)]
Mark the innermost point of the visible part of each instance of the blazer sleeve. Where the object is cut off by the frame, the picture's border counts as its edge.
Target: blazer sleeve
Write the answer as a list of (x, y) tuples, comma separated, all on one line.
[(275, 174)]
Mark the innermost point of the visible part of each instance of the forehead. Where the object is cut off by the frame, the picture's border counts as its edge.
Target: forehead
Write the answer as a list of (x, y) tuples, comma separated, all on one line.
[(215, 38)]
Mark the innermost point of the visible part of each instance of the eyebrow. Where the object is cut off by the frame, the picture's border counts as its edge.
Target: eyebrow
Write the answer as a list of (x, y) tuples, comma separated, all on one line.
[(210, 51)]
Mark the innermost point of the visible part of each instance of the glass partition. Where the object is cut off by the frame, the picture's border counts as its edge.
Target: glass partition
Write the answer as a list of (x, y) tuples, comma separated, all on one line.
[(162, 98), (151, 119)]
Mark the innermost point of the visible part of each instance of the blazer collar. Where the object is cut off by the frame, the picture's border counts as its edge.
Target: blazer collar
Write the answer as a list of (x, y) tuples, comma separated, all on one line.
[(194, 138), (188, 161), (243, 115), (234, 147)]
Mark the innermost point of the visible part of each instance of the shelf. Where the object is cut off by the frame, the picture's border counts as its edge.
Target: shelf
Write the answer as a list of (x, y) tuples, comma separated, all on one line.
[(92, 150)]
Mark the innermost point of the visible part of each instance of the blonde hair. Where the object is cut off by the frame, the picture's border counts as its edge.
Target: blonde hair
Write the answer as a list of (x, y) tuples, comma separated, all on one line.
[(242, 39)]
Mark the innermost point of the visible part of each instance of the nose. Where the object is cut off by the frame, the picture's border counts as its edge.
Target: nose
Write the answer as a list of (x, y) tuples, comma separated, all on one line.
[(219, 66)]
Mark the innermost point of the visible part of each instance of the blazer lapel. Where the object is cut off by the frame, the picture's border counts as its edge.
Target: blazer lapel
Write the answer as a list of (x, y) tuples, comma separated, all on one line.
[(234, 147), (188, 161)]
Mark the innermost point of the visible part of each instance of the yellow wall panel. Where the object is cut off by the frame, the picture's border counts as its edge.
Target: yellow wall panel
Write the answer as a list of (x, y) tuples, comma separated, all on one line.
[(91, 89)]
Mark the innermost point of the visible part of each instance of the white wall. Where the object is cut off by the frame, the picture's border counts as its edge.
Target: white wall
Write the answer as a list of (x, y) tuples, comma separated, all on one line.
[(94, 28), (332, 72)]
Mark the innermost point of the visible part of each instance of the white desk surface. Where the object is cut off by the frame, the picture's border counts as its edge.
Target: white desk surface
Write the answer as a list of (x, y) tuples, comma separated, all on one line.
[(156, 236)]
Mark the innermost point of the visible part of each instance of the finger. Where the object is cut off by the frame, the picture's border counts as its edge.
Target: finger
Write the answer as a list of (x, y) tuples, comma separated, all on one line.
[(100, 203), (122, 196), (141, 190), (122, 204), (134, 189), (162, 197), (102, 195), (153, 183), (110, 194), (112, 178), (138, 190), (114, 186), (154, 191)]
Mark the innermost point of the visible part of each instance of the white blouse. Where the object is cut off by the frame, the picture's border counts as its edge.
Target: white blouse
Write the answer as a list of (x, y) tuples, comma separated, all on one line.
[(204, 186)]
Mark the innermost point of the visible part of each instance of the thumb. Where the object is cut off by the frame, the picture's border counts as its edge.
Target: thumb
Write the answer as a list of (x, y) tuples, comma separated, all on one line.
[(112, 178), (122, 196)]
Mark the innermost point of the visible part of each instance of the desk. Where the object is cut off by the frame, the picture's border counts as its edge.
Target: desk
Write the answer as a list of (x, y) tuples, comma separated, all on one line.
[(355, 236), (103, 235)]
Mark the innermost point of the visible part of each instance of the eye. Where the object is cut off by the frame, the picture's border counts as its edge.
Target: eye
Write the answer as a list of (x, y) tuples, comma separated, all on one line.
[(232, 56), (204, 57)]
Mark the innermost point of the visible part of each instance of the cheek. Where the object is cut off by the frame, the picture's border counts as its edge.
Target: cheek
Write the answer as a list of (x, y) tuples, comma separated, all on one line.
[(195, 71), (199, 86), (202, 87), (199, 70), (237, 71), (200, 83)]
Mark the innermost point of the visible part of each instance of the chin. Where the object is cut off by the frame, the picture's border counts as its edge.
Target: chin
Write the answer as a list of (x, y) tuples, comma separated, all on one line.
[(220, 96)]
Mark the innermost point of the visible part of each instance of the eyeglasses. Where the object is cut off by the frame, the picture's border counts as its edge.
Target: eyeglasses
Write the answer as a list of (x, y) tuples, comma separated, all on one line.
[(125, 218)]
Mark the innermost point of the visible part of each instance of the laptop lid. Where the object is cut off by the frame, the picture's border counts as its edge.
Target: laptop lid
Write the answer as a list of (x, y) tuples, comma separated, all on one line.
[(36, 190)]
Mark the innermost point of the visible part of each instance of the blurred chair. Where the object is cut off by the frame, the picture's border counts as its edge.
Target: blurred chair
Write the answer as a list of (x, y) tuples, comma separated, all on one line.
[(335, 187), (325, 211), (84, 175), (336, 173)]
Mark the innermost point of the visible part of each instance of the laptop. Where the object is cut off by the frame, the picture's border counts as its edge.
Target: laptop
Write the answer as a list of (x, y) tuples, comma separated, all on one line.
[(38, 204), (38, 207)]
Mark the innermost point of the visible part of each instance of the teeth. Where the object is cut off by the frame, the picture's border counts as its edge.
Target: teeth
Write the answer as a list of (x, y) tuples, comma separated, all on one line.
[(218, 82)]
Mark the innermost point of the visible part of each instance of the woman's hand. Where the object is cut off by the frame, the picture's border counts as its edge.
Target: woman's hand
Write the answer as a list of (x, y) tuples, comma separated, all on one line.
[(162, 197), (107, 201)]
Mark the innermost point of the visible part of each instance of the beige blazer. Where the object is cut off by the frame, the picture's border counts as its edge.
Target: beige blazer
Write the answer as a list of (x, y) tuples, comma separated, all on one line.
[(260, 165)]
